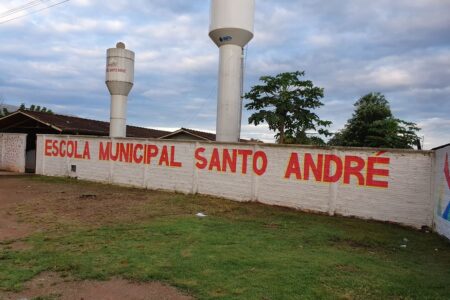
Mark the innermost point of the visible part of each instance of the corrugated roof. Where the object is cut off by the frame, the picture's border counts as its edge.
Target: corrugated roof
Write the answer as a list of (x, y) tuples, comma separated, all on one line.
[(76, 125), (207, 136), (79, 126), (441, 147)]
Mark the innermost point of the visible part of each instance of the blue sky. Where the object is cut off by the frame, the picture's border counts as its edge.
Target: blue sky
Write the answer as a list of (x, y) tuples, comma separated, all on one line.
[(400, 48)]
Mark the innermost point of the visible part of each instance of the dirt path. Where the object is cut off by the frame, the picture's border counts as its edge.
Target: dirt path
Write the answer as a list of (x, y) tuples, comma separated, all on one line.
[(52, 286), (28, 206)]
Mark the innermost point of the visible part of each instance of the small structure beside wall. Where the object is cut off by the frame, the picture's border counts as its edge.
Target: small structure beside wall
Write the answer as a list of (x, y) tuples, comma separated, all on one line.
[(13, 152)]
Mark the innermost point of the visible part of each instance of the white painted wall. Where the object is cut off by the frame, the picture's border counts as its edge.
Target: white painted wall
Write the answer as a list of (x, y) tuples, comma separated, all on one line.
[(406, 200), (12, 152), (442, 191)]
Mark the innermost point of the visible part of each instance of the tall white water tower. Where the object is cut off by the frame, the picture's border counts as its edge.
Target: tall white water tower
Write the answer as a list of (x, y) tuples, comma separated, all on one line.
[(120, 80), (231, 29)]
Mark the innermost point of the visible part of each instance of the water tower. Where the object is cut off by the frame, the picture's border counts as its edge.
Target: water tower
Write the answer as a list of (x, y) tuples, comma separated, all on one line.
[(231, 29), (119, 79)]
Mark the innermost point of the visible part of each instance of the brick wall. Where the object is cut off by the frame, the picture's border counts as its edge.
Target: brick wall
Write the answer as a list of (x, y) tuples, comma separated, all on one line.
[(393, 186), (12, 152), (442, 191)]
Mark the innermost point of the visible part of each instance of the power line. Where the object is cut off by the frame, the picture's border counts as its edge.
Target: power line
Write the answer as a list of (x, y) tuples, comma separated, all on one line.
[(201, 110), (34, 12), (24, 7)]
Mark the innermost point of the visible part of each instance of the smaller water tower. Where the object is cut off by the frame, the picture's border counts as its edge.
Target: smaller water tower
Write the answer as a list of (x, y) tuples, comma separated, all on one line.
[(231, 29), (120, 80)]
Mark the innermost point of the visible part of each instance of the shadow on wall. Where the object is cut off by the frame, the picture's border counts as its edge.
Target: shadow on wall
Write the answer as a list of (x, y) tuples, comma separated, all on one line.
[(30, 154)]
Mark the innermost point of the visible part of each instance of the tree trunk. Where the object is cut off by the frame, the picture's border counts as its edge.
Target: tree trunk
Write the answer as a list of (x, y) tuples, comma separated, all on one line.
[(281, 138)]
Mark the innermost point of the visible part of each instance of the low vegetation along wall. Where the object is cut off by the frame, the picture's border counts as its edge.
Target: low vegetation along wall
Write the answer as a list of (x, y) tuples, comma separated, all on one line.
[(393, 186), (12, 152), (442, 191)]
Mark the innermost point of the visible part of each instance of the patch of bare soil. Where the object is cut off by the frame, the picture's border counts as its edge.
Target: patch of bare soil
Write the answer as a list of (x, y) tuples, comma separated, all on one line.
[(17, 246), (10, 226), (53, 286), (28, 205)]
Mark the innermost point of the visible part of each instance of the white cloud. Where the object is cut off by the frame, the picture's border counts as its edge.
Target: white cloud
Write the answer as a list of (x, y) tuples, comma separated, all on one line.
[(389, 77), (320, 40), (160, 93), (83, 3), (260, 132), (436, 132)]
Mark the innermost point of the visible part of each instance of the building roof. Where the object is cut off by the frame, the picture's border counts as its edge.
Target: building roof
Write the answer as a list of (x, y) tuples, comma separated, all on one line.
[(200, 135), (441, 147), (25, 121), (73, 125)]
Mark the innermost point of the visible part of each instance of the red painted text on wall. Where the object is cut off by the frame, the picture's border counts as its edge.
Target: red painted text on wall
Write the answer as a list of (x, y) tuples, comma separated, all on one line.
[(332, 168), (70, 149)]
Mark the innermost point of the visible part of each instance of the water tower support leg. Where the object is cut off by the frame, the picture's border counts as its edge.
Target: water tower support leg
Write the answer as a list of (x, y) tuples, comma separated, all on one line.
[(118, 127), (229, 94)]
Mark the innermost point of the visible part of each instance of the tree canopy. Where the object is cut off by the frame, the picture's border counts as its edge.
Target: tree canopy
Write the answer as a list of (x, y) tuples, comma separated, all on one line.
[(286, 104), (4, 111), (36, 108), (373, 125)]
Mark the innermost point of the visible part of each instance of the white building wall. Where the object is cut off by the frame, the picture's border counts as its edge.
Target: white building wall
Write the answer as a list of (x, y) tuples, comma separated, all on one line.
[(12, 152), (442, 191), (404, 195)]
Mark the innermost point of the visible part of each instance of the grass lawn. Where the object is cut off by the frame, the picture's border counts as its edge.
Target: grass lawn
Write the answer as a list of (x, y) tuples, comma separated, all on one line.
[(240, 251)]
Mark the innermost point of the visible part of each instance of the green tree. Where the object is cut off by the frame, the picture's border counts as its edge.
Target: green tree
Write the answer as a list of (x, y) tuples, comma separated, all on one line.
[(286, 104), (373, 125), (4, 112), (36, 108)]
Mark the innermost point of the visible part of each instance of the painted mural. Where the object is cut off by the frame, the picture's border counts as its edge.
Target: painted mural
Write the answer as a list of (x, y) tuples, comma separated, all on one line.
[(443, 208)]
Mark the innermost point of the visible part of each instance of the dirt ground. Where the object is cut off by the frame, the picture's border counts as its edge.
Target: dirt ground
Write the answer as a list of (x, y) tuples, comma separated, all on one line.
[(28, 206), (10, 227), (53, 286)]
